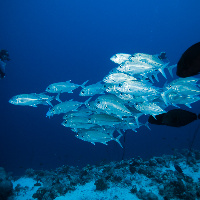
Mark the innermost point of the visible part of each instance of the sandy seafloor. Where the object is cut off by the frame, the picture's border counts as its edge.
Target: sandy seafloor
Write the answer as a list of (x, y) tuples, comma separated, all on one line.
[(151, 179)]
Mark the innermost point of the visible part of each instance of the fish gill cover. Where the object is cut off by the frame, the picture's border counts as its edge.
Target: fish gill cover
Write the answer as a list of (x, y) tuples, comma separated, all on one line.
[(118, 101)]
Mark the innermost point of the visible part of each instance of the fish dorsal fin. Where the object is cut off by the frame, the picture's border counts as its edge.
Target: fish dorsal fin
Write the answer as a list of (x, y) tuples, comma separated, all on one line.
[(83, 85)]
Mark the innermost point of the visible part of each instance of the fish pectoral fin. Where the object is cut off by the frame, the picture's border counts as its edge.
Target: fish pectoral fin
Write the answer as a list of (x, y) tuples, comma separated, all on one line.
[(49, 103), (117, 140), (147, 125), (188, 105)]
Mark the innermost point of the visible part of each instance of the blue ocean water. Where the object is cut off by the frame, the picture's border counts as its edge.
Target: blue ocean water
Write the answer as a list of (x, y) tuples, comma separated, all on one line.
[(52, 41)]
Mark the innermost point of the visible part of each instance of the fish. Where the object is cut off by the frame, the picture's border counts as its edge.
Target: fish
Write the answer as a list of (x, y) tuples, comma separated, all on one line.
[(174, 99), (151, 60), (118, 78), (32, 99), (104, 120), (111, 104), (149, 108), (119, 58), (138, 88), (125, 94), (77, 125), (99, 135), (78, 122), (183, 88), (113, 108), (133, 68), (65, 107), (62, 87), (189, 63), (80, 112), (174, 118), (91, 90)]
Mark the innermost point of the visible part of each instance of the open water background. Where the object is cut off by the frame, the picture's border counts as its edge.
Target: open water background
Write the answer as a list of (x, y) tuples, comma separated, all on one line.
[(58, 40)]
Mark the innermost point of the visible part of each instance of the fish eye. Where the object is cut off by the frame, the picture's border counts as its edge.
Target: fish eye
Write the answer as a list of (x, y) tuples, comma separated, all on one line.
[(121, 93), (53, 110), (82, 92), (104, 86), (120, 84), (98, 102)]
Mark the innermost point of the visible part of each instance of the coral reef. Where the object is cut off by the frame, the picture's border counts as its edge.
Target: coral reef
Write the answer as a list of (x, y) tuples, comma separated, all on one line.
[(6, 186), (153, 179)]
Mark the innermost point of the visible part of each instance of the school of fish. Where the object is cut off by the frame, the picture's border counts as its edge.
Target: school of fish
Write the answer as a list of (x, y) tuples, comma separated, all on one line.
[(116, 103)]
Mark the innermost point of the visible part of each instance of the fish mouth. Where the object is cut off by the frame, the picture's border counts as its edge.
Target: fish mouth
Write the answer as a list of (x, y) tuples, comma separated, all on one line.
[(49, 114), (11, 101)]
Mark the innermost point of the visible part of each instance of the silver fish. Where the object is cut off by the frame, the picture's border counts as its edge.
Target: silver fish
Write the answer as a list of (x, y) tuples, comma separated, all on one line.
[(65, 107), (104, 120), (91, 90), (62, 87), (32, 99), (149, 108), (120, 58), (112, 105), (100, 135), (118, 78)]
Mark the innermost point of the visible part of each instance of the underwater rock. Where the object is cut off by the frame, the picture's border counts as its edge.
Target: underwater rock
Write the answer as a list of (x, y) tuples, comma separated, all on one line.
[(134, 189), (2, 173), (101, 184), (142, 194), (135, 176), (6, 186), (152, 162), (6, 189)]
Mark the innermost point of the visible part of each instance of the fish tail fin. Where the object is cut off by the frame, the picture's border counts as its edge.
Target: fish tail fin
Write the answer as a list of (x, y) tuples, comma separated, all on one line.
[(58, 98), (161, 70)]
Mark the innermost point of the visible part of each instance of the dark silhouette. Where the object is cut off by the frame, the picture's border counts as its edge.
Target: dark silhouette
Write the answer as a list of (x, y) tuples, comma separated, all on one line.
[(174, 118), (4, 56), (189, 63)]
